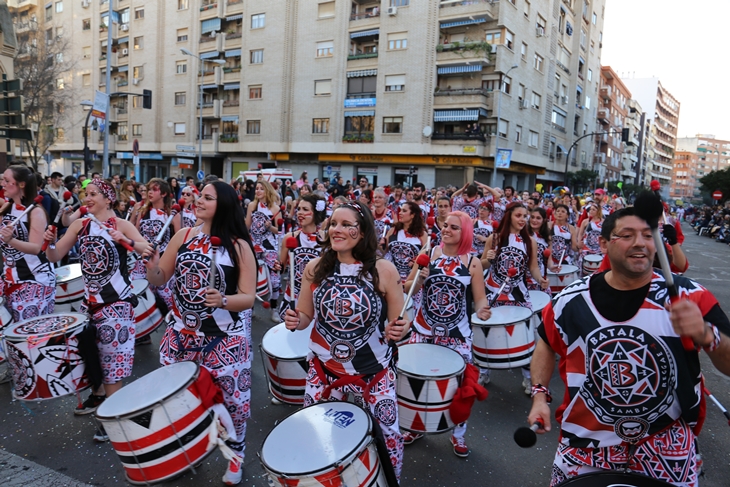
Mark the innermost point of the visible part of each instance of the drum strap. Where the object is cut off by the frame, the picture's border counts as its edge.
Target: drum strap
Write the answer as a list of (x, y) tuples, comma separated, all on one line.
[(344, 380), (204, 350)]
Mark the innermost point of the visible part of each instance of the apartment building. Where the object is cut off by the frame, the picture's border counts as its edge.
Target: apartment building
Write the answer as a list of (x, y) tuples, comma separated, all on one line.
[(395, 90), (698, 156), (8, 50), (612, 112), (632, 168), (663, 111), (685, 185)]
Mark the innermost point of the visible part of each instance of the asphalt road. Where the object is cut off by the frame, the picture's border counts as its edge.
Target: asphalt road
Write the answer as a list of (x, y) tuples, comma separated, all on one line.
[(48, 433)]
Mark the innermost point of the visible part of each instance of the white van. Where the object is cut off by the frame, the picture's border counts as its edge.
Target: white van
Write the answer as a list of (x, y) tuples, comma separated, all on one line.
[(269, 175)]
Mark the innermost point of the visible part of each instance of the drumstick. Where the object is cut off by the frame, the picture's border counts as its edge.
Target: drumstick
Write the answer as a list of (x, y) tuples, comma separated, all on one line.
[(66, 197), (649, 208), (511, 272), (280, 223), (160, 236), (717, 403), (656, 187), (560, 262), (546, 253), (265, 304), (85, 211), (291, 244), (526, 437), (182, 204), (131, 204), (36, 201), (215, 242), (421, 261)]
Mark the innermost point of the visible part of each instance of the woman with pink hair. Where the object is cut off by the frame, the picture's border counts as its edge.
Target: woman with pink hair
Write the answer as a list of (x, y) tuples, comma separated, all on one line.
[(452, 267)]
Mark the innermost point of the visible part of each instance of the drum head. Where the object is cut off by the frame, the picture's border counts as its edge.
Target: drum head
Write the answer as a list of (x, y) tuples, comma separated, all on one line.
[(505, 315), (613, 479), (539, 300), (139, 286), (315, 438), (43, 326), (565, 270), (284, 344), (68, 273), (593, 258), (429, 360), (148, 390)]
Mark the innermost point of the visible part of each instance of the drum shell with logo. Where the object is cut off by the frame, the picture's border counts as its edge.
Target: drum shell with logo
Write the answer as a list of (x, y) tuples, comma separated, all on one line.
[(69, 288), (428, 377), (43, 356), (560, 280), (327, 444), (591, 263), (505, 341), (613, 479), (285, 362), (147, 317), (410, 316), (148, 419), (5, 319)]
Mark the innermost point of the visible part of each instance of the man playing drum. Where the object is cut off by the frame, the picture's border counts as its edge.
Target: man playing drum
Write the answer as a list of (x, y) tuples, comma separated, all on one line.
[(633, 392)]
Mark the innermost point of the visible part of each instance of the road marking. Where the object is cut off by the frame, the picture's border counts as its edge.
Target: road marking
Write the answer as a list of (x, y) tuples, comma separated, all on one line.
[(19, 472)]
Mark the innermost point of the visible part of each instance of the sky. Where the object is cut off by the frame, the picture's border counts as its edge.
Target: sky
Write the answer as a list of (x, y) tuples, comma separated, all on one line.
[(682, 43)]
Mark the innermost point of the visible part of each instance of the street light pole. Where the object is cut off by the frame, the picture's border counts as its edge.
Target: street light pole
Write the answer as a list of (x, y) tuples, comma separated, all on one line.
[(87, 106), (499, 117)]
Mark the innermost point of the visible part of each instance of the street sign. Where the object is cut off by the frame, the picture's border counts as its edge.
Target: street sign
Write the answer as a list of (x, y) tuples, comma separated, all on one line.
[(185, 148), (135, 147), (16, 134), (717, 195), (200, 174), (135, 160), (186, 154), (185, 161), (11, 85)]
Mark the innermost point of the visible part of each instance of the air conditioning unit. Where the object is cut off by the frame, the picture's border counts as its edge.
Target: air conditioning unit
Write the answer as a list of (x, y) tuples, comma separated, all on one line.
[(125, 52), (124, 27), (564, 100), (85, 3), (392, 10), (540, 31), (135, 81), (523, 104)]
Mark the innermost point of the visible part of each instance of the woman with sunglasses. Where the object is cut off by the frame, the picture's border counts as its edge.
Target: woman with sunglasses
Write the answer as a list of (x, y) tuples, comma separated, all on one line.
[(187, 212), (360, 353), (141, 202), (211, 321)]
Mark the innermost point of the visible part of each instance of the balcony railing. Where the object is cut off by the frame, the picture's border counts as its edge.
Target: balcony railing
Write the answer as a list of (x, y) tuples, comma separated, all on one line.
[(358, 139), (365, 15), (463, 92), (228, 138), (234, 2), (204, 39), (367, 55), (231, 103), (234, 35), (480, 137), (460, 3), (208, 6)]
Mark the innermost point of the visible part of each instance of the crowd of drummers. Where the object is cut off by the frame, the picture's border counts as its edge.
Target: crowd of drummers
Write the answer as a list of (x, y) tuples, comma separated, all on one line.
[(501, 278)]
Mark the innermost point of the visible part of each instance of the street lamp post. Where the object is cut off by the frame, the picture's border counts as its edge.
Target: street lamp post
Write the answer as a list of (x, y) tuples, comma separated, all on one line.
[(499, 117), (201, 62), (87, 106)]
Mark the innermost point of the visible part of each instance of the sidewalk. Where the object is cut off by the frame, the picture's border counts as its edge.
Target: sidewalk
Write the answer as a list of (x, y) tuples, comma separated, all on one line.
[(18, 472)]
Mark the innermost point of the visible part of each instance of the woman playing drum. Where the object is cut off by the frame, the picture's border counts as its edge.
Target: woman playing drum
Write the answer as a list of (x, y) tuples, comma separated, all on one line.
[(353, 343), (406, 239), (453, 268), (211, 321), (589, 233), (29, 280), (540, 233), (563, 240), (187, 212), (384, 218), (107, 292)]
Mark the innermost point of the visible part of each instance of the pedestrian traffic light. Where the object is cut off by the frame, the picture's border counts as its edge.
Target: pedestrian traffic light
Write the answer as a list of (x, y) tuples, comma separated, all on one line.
[(626, 135), (147, 99)]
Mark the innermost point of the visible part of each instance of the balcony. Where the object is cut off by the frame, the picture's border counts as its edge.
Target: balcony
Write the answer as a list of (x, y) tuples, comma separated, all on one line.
[(365, 19), (208, 43), (212, 109), (228, 138), (464, 52), (605, 92), (599, 158), (234, 6), (231, 74), (21, 27), (602, 138), (459, 137), (209, 10), (603, 115), (454, 9), (365, 138), (459, 98), (233, 39)]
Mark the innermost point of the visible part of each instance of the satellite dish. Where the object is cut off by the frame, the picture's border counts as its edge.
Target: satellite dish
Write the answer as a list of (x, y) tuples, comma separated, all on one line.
[(427, 131)]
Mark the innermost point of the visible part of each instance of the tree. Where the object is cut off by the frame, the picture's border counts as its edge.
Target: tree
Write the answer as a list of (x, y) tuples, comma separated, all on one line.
[(716, 180), (44, 64), (582, 180)]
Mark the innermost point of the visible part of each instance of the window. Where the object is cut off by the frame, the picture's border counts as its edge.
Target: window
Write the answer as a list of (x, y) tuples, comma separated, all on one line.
[(536, 100), (362, 87), (521, 92), (494, 38), (526, 10), (59, 32), (325, 10), (137, 130), (49, 13), (257, 56), (395, 82), (59, 58), (583, 37), (258, 21), (518, 134), (594, 18), (523, 51), (538, 62), (138, 43), (180, 127), (325, 48), (254, 92), (180, 98), (87, 52), (323, 87), (122, 131), (392, 125), (59, 7), (397, 40), (590, 75), (86, 24), (138, 72), (60, 133), (137, 102), (49, 36), (182, 5), (559, 118), (540, 24), (124, 16), (253, 127), (506, 84), (59, 83), (509, 40), (138, 13), (359, 126), (181, 67), (320, 125), (86, 79), (399, 3), (588, 103), (503, 128), (534, 139), (182, 35)]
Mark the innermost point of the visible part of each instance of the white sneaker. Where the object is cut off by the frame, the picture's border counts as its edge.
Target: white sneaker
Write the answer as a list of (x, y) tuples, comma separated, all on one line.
[(275, 316), (484, 379), (527, 384), (234, 473)]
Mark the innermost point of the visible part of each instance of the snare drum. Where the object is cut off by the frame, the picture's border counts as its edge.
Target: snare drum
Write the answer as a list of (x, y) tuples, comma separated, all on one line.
[(43, 355), (263, 283), (329, 443), (146, 315), (539, 300), (428, 377), (613, 479), (69, 288), (562, 278), (504, 341), (591, 263), (285, 362), (5, 319), (158, 425)]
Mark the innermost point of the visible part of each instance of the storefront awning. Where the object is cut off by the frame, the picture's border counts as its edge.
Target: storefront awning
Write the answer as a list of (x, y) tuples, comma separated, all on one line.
[(463, 68), (234, 17), (463, 115), (232, 86), (362, 72), (365, 33), (233, 53), (458, 23), (361, 113), (209, 55), (124, 68), (562, 149), (210, 87)]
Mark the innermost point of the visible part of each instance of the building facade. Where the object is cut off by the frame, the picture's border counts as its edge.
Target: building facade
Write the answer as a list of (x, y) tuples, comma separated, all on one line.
[(395, 90), (612, 112), (698, 156)]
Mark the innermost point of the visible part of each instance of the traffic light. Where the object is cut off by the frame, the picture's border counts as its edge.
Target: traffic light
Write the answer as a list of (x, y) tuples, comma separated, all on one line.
[(147, 99), (626, 136)]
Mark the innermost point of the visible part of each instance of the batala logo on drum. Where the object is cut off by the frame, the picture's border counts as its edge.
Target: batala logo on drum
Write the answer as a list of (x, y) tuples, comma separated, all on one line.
[(99, 261), (152, 228), (630, 373), (341, 419)]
